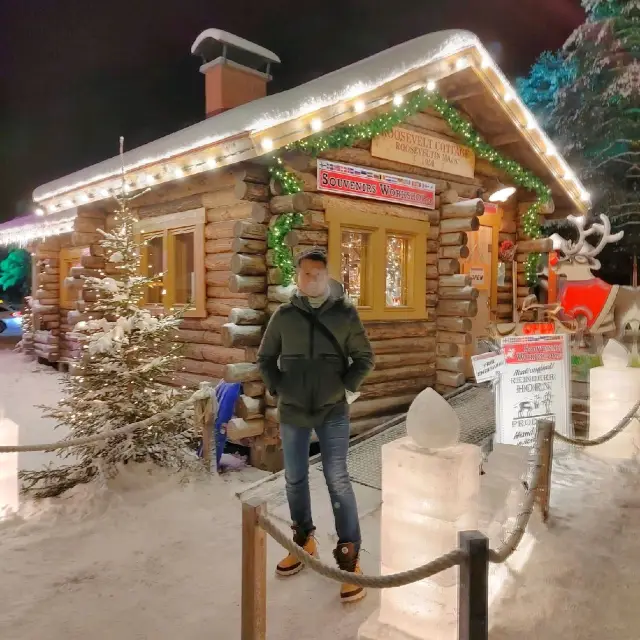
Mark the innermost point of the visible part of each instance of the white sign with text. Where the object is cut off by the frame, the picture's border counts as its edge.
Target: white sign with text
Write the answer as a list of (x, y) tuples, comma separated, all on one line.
[(535, 384), (487, 366)]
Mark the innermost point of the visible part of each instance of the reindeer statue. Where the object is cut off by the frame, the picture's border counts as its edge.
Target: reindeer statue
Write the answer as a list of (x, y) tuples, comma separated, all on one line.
[(600, 308), (586, 304)]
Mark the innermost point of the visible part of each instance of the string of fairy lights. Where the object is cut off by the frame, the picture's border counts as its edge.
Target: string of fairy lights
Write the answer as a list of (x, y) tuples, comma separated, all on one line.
[(201, 156), (402, 107)]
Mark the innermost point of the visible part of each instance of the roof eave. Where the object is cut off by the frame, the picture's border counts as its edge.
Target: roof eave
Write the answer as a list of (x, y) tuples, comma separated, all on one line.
[(264, 139)]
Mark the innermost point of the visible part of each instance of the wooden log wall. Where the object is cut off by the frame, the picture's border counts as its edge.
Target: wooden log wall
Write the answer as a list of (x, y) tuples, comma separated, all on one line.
[(46, 305), (85, 234), (456, 298), (223, 345)]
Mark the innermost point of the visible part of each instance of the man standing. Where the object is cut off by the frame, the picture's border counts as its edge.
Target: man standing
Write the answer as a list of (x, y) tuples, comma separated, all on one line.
[(313, 356)]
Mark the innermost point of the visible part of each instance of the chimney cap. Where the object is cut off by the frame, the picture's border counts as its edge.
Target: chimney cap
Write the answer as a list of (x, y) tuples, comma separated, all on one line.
[(214, 43)]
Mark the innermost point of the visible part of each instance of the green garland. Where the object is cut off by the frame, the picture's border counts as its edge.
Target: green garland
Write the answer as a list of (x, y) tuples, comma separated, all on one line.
[(348, 135), (282, 254)]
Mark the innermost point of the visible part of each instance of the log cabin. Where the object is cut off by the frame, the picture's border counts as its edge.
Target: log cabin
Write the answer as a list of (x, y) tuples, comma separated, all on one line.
[(409, 167)]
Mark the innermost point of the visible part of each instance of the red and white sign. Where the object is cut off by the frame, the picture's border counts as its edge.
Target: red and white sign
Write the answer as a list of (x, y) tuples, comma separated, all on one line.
[(535, 384), (526, 352), (348, 180), (490, 208), (538, 328)]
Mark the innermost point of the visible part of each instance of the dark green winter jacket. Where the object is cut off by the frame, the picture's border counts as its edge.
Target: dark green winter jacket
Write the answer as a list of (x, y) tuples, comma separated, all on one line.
[(303, 369)]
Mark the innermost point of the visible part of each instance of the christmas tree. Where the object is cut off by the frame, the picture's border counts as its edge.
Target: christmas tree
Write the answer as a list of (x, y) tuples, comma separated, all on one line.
[(15, 270), (589, 105), (127, 354)]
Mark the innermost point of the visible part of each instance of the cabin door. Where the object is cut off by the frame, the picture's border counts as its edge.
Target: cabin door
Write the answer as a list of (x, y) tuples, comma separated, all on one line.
[(482, 266)]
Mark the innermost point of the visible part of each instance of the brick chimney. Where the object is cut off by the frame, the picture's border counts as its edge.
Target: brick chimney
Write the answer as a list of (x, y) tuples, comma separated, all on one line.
[(236, 71)]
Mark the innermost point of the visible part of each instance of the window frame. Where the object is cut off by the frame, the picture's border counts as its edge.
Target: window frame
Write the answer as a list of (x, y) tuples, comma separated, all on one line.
[(346, 217), (68, 256), (168, 227)]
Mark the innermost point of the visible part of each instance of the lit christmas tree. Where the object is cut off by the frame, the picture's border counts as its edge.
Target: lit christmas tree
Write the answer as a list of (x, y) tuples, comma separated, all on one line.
[(588, 103), (127, 352)]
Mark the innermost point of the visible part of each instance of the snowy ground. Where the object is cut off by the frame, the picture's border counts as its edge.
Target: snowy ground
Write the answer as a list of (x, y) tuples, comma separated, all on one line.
[(159, 557)]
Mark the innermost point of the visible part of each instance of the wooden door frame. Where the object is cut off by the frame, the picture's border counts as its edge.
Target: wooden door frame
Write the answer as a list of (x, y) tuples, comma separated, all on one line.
[(493, 220)]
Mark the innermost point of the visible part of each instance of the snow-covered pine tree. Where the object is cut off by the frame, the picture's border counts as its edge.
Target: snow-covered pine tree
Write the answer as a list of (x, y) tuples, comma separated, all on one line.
[(26, 342), (549, 74), (129, 354), (594, 119)]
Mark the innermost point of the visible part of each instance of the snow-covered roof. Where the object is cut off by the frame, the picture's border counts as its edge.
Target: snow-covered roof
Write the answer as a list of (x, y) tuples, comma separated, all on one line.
[(234, 41), (254, 116), (22, 231), (244, 132)]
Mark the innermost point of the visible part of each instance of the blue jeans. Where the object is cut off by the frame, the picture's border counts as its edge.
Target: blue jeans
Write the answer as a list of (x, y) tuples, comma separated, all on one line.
[(333, 436)]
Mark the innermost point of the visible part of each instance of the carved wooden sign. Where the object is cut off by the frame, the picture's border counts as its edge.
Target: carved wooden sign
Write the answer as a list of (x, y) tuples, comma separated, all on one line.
[(423, 150)]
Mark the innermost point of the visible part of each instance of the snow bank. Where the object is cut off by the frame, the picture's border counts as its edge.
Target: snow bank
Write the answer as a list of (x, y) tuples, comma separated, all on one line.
[(23, 386), (158, 556)]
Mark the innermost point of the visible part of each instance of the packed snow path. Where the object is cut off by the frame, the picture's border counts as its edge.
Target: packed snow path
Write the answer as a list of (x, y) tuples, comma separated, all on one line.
[(158, 558)]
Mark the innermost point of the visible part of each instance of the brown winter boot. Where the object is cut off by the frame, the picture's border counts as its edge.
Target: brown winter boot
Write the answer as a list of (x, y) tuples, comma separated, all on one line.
[(347, 559), (291, 565)]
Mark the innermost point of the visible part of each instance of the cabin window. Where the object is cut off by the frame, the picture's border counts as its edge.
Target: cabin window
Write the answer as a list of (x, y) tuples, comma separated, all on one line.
[(183, 258), (173, 248), (397, 262), (355, 256), (70, 258), (153, 255), (375, 257)]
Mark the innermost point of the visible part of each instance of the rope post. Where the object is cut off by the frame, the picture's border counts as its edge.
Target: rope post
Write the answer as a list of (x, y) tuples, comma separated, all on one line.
[(473, 590), (254, 572), (202, 416), (546, 429)]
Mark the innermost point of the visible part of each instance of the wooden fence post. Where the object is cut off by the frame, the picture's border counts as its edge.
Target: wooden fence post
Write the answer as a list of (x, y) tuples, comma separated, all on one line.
[(473, 590), (543, 494), (254, 572), (202, 416)]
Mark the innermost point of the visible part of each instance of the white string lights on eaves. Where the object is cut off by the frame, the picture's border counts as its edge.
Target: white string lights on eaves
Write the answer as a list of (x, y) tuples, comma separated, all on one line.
[(546, 149), (154, 171), (25, 234)]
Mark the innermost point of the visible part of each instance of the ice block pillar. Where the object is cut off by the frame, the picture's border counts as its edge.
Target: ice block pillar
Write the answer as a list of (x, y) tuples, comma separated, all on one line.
[(614, 389), (428, 495), (8, 468)]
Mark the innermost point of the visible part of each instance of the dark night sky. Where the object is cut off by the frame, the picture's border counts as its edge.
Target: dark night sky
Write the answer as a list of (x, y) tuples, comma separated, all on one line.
[(77, 74)]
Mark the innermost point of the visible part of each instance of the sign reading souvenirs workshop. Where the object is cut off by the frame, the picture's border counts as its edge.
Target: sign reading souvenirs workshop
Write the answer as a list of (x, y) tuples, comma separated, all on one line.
[(347, 180), (534, 384), (423, 150)]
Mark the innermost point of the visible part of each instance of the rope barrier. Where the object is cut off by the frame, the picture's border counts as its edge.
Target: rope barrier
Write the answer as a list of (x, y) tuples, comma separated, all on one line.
[(120, 431), (508, 547), (605, 437), (444, 562)]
